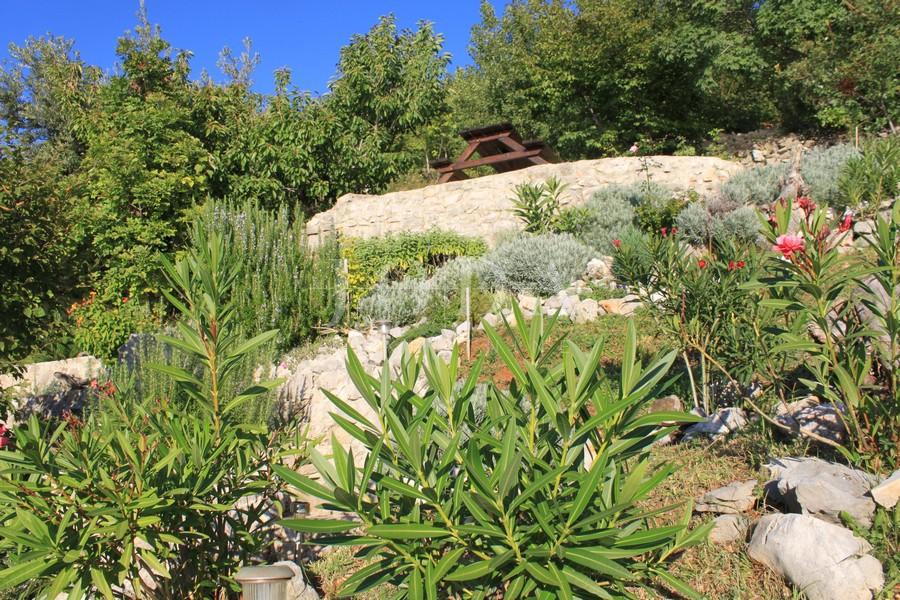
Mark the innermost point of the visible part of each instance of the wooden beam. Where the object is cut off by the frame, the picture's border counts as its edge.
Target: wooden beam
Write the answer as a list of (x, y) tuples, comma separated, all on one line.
[(491, 160), (511, 143)]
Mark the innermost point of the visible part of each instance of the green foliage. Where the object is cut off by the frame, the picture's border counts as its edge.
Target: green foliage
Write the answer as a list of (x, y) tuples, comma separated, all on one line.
[(873, 178), (100, 327), (632, 261), (372, 260), (155, 495), (573, 220), (285, 284), (658, 211), (759, 186), (538, 264), (610, 215), (537, 204), (822, 168), (542, 500), (835, 62)]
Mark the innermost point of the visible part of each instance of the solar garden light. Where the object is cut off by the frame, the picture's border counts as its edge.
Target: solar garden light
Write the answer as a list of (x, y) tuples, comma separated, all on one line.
[(267, 582), (384, 326)]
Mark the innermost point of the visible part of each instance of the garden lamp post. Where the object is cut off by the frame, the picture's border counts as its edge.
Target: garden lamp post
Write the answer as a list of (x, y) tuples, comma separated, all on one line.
[(268, 582)]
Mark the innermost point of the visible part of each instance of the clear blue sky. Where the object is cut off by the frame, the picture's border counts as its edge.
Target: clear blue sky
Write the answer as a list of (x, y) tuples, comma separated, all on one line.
[(304, 35)]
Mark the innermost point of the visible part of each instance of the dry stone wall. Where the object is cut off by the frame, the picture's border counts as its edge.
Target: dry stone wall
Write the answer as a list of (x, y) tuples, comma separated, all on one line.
[(482, 207)]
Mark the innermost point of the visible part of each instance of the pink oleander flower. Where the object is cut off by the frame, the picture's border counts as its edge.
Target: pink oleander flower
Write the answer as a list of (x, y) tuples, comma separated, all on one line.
[(789, 244), (664, 231), (806, 204), (634, 148), (701, 263), (846, 224), (617, 243), (4, 436)]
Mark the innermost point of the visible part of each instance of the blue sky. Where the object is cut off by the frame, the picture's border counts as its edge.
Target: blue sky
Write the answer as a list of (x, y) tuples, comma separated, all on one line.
[(304, 35)]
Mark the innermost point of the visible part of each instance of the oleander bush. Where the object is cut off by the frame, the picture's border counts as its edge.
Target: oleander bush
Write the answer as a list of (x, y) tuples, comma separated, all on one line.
[(537, 205), (150, 496), (632, 261), (759, 186), (537, 264), (874, 177), (285, 284), (822, 169), (391, 258), (542, 501)]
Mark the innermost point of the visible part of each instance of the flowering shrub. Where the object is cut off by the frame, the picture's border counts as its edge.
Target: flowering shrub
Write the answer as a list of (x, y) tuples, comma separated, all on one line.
[(543, 500), (843, 314)]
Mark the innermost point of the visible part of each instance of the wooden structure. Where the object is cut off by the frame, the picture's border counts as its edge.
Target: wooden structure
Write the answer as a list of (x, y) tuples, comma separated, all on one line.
[(496, 145)]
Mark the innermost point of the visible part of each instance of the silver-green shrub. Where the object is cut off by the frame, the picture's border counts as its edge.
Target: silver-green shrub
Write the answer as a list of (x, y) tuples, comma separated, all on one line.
[(695, 223), (537, 264), (821, 170), (609, 211), (755, 186), (699, 226)]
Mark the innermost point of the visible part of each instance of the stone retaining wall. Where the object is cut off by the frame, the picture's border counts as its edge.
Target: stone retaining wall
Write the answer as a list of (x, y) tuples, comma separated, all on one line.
[(482, 206)]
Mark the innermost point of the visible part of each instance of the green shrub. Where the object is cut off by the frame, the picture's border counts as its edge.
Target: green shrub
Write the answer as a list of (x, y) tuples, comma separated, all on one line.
[(573, 220), (285, 284), (537, 264), (371, 260), (101, 327), (162, 496), (610, 214), (759, 186), (821, 169), (658, 209), (543, 500), (741, 226), (874, 177), (632, 261), (695, 224), (537, 204)]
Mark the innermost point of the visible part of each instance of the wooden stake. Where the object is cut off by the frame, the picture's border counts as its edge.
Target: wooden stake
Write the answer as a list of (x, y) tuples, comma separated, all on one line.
[(469, 322)]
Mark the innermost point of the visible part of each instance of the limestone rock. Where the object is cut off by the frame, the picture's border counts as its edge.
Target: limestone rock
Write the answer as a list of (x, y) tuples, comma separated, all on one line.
[(586, 311), (670, 403), (620, 306), (723, 422), (734, 498), (598, 269), (821, 419), (528, 303), (815, 487), (887, 492), (825, 561), (728, 529)]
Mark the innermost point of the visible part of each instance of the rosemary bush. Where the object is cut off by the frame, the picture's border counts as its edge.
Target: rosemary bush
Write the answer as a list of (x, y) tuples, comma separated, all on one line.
[(542, 501), (821, 169), (610, 214), (285, 284)]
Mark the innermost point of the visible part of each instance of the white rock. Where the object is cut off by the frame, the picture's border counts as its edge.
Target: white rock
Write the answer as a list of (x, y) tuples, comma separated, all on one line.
[(298, 589), (815, 487), (734, 498), (586, 311), (888, 491), (527, 303), (821, 419), (723, 422), (598, 269), (825, 561), (728, 529)]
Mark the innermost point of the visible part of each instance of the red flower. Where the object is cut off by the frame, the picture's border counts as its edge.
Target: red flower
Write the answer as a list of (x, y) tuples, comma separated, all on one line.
[(806, 204), (125, 299), (789, 244), (4, 436), (617, 243), (674, 230), (741, 264), (701, 263), (846, 224), (731, 265), (664, 230)]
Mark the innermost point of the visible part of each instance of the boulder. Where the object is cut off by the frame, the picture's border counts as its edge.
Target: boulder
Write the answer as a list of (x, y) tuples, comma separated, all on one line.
[(670, 403), (815, 487), (598, 269), (825, 561), (887, 492), (734, 498), (624, 307), (808, 414), (528, 303), (585, 311), (723, 422), (729, 529)]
